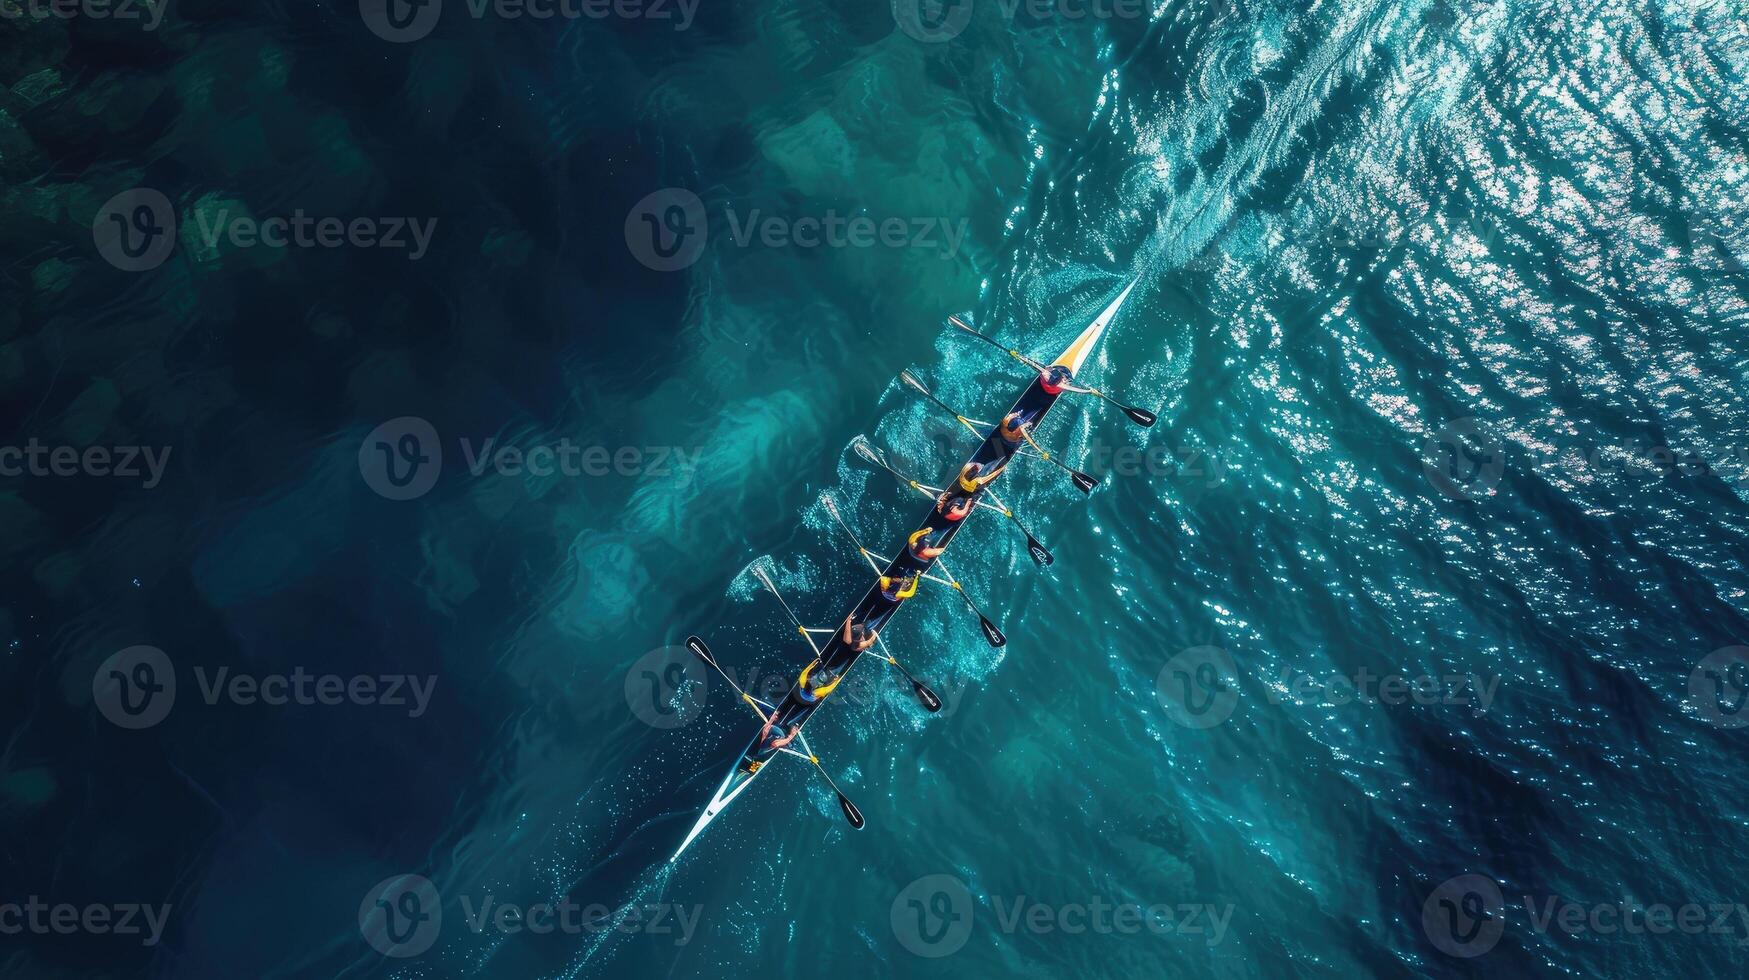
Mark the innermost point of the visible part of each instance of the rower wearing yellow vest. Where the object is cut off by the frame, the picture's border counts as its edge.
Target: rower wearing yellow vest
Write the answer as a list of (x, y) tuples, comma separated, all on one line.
[(973, 478), (816, 682), (923, 546), (956, 501), (899, 588)]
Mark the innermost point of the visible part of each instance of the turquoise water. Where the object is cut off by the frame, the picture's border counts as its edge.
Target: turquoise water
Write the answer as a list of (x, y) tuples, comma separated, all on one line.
[(1441, 307)]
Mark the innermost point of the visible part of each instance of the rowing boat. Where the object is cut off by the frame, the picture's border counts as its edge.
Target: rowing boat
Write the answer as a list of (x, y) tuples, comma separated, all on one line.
[(875, 609)]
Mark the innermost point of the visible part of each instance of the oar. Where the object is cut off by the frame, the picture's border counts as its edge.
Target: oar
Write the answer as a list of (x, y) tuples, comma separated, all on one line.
[(924, 694), (765, 580), (697, 646), (1142, 418), (991, 633), (851, 813), (832, 508), (911, 380), (1082, 481), (999, 345), (1040, 554), (867, 452)]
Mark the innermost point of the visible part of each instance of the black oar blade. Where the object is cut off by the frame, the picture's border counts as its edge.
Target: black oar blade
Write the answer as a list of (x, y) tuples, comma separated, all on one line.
[(925, 695), (1039, 553), (698, 648), (1083, 482), (991, 633), (851, 813), (1141, 418)]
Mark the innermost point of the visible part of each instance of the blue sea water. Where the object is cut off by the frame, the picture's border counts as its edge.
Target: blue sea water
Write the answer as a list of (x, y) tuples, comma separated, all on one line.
[(1408, 643)]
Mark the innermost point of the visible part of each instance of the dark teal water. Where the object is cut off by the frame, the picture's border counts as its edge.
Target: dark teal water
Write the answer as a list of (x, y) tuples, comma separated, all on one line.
[(1441, 307)]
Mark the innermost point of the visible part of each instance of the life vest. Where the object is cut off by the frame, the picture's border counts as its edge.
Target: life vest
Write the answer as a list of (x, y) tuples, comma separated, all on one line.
[(888, 583), (912, 541), (820, 693)]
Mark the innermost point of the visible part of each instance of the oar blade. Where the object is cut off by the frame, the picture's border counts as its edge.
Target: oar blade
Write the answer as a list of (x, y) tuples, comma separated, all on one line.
[(699, 650), (1040, 554), (851, 813), (930, 701), (1140, 417), (1083, 482), (991, 633)]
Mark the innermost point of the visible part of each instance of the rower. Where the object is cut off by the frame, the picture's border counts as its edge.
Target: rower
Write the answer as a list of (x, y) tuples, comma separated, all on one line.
[(956, 502), (952, 506), (974, 478), (923, 547), (771, 741), (1012, 430), (811, 687), (901, 587), (1055, 380), (857, 636)]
